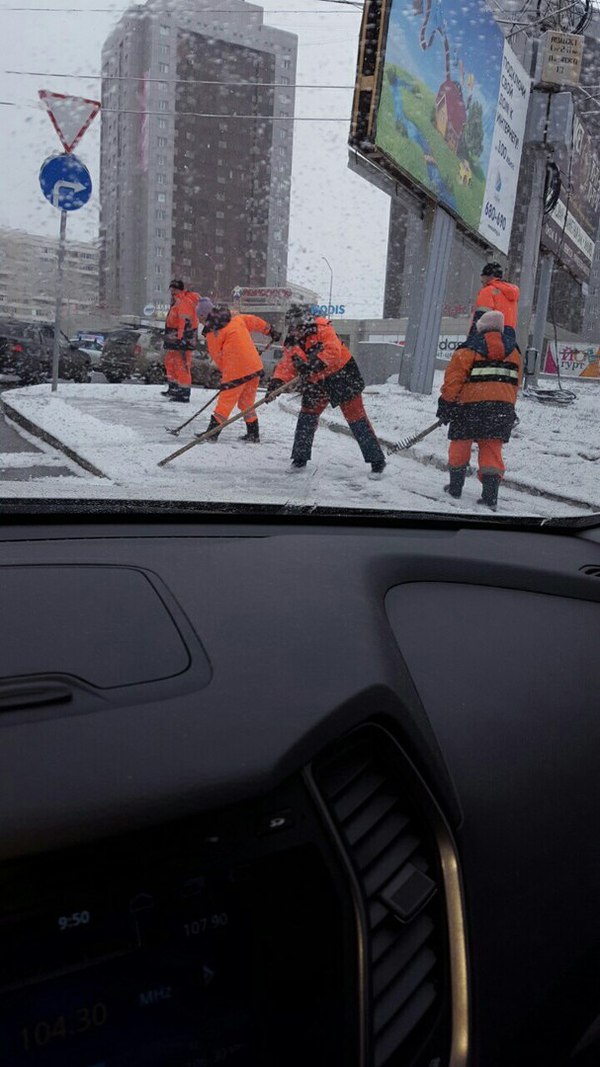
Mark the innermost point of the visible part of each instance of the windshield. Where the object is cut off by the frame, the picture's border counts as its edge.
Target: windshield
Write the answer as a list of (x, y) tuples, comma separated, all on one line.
[(317, 255)]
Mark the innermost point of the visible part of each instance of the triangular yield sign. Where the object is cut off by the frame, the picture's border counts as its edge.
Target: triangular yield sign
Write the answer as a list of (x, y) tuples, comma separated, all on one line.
[(70, 115)]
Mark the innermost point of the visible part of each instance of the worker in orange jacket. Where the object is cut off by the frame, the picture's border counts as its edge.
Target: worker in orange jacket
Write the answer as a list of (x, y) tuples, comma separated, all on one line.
[(232, 349), (181, 337), (329, 375), (497, 295), (478, 400)]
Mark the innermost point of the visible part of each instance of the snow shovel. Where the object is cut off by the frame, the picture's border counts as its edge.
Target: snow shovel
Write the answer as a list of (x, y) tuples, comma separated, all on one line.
[(408, 442), (228, 422), (178, 429)]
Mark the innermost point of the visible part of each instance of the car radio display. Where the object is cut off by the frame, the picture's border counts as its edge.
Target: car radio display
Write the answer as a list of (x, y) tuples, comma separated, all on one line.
[(177, 968)]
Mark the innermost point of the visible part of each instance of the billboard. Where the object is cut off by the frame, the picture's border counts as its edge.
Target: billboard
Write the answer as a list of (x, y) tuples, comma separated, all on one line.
[(570, 230), (261, 298), (441, 103)]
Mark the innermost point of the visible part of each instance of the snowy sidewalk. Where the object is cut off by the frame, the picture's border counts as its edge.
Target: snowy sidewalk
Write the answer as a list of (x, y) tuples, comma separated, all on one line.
[(118, 432)]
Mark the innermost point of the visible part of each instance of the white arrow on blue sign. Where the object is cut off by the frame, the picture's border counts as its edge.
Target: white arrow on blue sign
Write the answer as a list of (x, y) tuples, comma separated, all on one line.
[(65, 181)]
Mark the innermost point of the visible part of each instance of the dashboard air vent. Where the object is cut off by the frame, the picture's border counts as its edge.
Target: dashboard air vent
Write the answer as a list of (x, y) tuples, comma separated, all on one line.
[(591, 569), (395, 860)]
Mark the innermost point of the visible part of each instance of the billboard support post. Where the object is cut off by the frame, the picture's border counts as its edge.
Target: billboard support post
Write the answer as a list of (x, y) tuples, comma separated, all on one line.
[(541, 311), (423, 329)]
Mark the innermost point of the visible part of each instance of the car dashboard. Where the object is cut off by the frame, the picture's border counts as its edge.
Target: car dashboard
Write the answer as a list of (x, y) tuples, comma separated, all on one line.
[(280, 792)]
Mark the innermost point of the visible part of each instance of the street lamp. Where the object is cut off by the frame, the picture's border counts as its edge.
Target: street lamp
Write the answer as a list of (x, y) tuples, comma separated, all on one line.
[(330, 282)]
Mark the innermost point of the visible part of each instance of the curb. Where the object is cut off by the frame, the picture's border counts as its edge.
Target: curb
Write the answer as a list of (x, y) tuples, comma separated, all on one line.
[(441, 465), (49, 439)]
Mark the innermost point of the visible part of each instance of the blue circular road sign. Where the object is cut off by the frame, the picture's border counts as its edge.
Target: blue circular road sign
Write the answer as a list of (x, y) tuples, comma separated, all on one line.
[(65, 182)]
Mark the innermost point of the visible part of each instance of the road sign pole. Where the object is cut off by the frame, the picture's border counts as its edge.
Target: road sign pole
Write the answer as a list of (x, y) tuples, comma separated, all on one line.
[(59, 299)]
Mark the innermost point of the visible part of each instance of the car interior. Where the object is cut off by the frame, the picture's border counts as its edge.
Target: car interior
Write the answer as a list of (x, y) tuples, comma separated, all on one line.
[(286, 788)]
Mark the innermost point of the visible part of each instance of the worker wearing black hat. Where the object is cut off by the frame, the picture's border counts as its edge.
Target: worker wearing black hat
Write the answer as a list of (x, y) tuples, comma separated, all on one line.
[(181, 337), (497, 295)]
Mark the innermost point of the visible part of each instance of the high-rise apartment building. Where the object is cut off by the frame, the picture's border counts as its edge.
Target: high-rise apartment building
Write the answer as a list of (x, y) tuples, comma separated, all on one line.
[(196, 152)]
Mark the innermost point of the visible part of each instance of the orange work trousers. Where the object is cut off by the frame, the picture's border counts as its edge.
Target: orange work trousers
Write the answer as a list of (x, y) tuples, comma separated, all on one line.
[(178, 367), (243, 396), (490, 456)]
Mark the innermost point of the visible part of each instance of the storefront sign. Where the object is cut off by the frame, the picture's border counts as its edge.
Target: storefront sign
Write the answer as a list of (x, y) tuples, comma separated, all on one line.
[(573, 361)]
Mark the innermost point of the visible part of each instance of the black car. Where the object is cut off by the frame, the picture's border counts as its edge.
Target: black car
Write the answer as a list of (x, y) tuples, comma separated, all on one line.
[(26, 351), (138, 352)]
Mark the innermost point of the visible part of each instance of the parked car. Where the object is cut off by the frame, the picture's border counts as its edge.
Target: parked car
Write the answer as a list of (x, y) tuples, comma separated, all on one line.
[(26, 351), (92, 344), (137, 352)]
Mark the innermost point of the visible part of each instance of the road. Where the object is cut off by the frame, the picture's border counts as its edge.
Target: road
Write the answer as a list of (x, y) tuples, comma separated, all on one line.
[(21, 460)]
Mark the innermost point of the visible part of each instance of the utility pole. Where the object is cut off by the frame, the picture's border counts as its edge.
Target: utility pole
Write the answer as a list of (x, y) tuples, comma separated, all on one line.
[(553, 62), (541, 315)]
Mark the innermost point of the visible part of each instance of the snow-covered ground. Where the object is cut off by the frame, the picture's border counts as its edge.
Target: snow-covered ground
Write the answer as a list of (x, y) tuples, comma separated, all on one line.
[(121, 431)]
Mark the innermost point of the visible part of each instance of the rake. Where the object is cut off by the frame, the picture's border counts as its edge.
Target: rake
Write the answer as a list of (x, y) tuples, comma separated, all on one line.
[(408, 442)]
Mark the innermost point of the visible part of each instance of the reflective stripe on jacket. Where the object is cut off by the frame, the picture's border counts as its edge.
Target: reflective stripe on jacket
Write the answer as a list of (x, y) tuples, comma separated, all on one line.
[(483, 383), (495, 370)]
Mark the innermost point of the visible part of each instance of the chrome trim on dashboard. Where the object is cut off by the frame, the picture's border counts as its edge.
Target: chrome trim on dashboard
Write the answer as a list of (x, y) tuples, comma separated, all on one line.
[(459, 974)]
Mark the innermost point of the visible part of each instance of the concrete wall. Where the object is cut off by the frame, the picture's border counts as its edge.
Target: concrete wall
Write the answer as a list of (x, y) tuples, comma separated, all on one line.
[(378, 361)]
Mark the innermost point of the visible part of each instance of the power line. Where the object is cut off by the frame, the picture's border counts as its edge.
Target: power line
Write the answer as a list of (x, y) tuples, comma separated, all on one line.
[(170, 81), (194, 11), (198, 114), (538, 22)]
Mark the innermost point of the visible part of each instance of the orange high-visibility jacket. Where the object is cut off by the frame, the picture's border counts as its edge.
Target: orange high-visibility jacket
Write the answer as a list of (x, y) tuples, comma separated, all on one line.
[(333, 354), (483, 382), (491, 374), (182, 313), (502, 296), (232, 348)]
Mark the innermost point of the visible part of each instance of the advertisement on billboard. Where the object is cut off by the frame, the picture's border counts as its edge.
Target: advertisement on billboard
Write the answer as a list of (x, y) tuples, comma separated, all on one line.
[(449, 110), (570, 230), (573, 361)]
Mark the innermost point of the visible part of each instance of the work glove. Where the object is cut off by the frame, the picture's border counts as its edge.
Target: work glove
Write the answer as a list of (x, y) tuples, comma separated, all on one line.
[(274, 335), (312, 364), (446, 410), (315, 365), (274, 384), (171, 340)]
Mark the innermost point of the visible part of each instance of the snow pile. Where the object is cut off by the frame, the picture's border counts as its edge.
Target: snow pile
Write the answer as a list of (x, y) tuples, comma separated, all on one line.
[(66, 416)]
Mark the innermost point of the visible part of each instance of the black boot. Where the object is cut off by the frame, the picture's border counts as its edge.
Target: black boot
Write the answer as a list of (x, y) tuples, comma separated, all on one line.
[(181, 394), (170, 390), (306, 427), (457, 481), (211, 426), (369, 445), (252, 435), (490, 484)]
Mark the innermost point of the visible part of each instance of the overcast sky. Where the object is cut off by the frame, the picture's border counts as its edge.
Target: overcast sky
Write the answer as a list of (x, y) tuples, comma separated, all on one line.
[(334, 213)]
